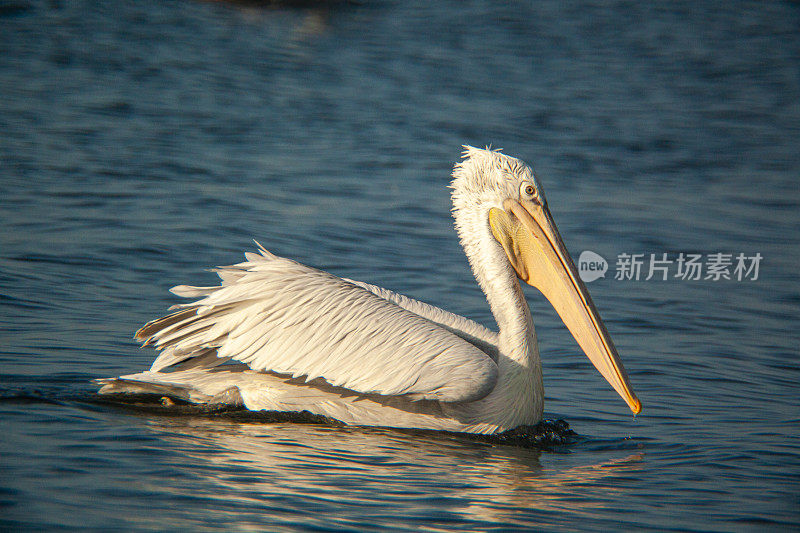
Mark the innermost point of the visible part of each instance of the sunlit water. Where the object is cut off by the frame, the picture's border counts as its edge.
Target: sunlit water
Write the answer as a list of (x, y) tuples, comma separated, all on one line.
[(143, 142)]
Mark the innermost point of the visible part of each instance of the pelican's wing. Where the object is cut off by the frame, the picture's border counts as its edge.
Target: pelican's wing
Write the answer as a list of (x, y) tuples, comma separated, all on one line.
[(467, 329), (277, 315)]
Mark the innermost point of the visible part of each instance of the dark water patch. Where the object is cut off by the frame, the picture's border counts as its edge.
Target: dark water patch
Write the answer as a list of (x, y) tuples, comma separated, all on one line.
[(14, 9), (11, 301), (69, 260), (27, 397), (143, 252), (94, 196), (546, 434), (117, 108)]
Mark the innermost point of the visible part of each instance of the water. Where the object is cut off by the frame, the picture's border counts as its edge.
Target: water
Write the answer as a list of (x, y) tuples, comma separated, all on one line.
[(143, 142)]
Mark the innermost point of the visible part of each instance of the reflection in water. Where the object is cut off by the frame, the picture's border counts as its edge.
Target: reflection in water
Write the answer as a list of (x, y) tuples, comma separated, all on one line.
[(266, 464)]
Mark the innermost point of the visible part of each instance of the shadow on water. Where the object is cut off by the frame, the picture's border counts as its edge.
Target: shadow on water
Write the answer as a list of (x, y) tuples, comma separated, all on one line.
[(549, 435), (553, 435)]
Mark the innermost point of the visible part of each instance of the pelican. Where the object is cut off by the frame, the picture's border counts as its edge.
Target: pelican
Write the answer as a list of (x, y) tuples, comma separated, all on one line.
[(276, 335)]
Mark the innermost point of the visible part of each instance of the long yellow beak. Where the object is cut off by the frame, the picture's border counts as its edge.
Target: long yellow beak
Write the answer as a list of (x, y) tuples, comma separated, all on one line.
[(531, 241)]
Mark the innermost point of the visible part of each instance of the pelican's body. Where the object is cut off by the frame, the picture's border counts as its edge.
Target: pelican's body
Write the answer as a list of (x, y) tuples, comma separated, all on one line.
[(306, 340)]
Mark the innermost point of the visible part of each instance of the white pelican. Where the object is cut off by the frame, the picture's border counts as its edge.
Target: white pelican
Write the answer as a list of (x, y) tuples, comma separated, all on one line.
[(305, 340)]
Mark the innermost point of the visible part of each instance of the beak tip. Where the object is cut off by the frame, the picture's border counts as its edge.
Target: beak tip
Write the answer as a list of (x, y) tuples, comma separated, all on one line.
[(636, 406)]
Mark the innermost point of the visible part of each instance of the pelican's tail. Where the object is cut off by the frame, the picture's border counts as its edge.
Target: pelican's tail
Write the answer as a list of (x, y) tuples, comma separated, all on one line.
[(197, 385)]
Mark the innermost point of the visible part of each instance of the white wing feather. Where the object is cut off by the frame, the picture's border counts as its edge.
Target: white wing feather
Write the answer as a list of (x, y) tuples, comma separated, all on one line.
[(278, 315), (467, 329)]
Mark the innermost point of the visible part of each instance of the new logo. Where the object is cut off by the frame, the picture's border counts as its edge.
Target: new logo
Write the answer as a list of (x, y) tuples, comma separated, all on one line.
[(591, 266)]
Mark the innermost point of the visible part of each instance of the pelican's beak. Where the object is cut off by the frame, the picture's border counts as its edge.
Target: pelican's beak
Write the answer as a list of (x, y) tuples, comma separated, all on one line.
[(531, 241)]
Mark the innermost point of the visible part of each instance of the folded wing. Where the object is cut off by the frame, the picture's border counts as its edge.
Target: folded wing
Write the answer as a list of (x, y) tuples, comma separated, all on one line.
[(278, 315)]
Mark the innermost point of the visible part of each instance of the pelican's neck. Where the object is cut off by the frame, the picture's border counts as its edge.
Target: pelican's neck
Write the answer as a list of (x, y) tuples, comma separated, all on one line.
[(497, 279), (517, 339)]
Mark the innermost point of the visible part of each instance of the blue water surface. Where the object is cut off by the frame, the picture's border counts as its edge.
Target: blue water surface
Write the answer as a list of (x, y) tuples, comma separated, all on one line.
[(143, 142)]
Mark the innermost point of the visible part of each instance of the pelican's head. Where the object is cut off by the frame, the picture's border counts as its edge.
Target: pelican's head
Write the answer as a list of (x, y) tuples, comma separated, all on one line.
[(498, 203)]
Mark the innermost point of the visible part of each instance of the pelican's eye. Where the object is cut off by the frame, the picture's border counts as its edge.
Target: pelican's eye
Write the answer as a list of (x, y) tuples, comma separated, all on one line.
[(528, 191)]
